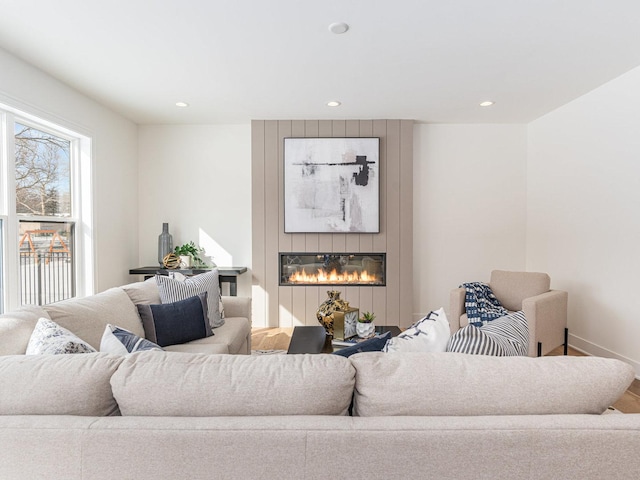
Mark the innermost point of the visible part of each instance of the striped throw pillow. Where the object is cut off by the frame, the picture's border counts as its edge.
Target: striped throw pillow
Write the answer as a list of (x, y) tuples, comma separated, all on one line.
[(175, 289), (503, 337)]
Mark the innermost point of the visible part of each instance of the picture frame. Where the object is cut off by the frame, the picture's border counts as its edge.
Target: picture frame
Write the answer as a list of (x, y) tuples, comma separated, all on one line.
[(332, 185)]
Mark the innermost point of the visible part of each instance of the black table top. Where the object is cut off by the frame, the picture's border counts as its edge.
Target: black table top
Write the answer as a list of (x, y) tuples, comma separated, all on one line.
[(314, 339)]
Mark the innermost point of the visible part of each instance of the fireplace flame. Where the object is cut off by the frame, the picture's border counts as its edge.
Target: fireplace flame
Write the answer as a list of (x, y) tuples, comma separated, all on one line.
[(322, 277)]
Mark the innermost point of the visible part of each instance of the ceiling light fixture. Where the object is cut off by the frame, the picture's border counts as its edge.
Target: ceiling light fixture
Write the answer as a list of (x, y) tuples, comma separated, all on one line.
[(182, 104), (333, 103), (488, 103), (338, 28)]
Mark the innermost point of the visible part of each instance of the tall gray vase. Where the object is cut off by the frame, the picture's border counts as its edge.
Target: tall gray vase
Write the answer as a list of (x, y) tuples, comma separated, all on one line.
[(165, 243)]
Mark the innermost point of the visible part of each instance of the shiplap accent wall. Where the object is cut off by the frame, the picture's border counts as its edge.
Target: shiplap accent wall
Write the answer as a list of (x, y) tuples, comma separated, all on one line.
[(277, 306)]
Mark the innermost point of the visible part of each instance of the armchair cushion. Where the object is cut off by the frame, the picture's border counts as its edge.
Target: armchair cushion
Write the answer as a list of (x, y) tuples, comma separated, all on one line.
[(513, 287)]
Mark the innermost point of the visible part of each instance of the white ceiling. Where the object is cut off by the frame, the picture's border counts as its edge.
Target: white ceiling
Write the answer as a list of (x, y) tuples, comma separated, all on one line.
[(237, 60)]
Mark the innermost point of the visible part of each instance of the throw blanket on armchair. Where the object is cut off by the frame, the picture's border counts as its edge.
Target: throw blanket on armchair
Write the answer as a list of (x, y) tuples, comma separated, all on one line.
[(492, 330), (481, 304)]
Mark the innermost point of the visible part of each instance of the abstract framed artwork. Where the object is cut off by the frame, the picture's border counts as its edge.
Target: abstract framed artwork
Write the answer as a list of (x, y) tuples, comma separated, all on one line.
[(332, 185)]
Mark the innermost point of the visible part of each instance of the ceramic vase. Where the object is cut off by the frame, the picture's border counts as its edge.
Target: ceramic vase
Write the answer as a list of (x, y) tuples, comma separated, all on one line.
[(327, 308), (165, 243), (365, 330)]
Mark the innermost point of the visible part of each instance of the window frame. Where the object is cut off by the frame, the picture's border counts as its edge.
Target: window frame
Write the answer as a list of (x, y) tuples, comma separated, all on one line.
[(80, 152)]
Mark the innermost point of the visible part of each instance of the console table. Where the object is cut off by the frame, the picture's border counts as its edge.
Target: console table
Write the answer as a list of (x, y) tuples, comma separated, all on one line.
[(225, 274)]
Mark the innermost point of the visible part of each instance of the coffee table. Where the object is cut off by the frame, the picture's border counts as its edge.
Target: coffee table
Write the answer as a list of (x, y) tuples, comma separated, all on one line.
[(313, 339)]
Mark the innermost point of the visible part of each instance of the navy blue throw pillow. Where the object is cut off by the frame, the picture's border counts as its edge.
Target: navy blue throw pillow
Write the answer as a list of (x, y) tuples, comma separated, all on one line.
[(175, 323), (375, 344)]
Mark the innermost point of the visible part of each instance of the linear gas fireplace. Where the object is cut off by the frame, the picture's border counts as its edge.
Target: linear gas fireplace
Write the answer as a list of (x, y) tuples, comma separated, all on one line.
[(352, 269)]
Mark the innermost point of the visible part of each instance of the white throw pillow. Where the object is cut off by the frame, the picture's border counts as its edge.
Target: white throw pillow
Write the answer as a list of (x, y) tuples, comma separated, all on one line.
[(121, 342), (430, 334), (50, 338)]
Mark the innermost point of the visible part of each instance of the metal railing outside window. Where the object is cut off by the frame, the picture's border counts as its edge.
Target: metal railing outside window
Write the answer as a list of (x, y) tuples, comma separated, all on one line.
[(47, 265)]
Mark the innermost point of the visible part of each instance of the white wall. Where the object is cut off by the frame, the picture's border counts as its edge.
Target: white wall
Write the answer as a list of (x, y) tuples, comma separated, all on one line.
[(198, 179), (584, 213), (469, 207), (114, 160)]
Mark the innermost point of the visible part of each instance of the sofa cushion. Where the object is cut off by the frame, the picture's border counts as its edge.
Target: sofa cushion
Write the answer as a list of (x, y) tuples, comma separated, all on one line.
[(87, 317), (459, 384), (513, 287), (49, 338), (233, 333), (430, 334), (179, 288), (181, 384), (58, 385), (120, 342), (16, 329), (178, 322)]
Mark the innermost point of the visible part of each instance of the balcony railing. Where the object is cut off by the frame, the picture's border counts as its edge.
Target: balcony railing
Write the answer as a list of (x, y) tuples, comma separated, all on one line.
[(46, 277)]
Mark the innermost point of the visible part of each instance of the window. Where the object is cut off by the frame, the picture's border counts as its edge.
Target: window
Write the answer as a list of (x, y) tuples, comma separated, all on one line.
[(45, 254)]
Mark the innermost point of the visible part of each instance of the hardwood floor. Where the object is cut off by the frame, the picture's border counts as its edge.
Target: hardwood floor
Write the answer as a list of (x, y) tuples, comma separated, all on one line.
[(279, 338)]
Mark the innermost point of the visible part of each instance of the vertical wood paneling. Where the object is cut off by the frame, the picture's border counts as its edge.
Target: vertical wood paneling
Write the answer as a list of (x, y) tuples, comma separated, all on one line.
[(272, 228), (312, 297), (286, 307), (380, 240), (284, 130), (393, 221), (289, 306), (258, 205), (406, 223)]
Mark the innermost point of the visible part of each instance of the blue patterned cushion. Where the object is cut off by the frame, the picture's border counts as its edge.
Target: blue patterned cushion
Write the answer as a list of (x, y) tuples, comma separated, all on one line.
[(374, 344), (50, 338), (175, 323), (120, 341)]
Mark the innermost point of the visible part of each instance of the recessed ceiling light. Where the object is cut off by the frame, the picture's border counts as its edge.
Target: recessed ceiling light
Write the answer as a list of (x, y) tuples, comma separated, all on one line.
[(182, 104), (488, 103), (338, 28), (333, 103)]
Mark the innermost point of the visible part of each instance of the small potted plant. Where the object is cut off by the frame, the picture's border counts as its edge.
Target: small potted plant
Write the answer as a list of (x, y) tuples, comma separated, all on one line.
[(365, 327), (189, 254)]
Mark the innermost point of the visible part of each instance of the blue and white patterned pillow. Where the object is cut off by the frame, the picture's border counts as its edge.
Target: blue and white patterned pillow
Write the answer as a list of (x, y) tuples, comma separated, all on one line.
[(49, 338), (120, 341), (180, 288)]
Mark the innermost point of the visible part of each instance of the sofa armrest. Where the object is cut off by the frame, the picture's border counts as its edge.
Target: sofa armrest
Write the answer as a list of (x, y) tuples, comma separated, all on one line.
[(456, 308), (237, 307), (547, 318)]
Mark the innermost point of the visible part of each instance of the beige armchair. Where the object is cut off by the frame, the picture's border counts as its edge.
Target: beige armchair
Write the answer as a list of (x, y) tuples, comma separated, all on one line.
[(545, 309)]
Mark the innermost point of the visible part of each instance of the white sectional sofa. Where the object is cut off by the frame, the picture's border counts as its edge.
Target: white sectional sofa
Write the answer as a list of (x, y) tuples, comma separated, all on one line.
[(87, 318), (170, 415)]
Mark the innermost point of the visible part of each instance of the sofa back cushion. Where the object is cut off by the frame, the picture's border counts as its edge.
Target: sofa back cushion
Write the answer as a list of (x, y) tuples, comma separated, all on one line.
[(16, 329), (58, 384), (87, 317), (460, 384), (513, 287), (180, 384)]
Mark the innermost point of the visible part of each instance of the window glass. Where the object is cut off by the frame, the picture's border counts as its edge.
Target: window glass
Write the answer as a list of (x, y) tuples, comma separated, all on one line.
[(46, 262), (43, 173)]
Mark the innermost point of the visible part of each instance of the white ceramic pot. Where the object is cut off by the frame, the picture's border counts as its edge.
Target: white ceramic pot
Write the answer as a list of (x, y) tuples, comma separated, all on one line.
[(185, 261), (365, 330)]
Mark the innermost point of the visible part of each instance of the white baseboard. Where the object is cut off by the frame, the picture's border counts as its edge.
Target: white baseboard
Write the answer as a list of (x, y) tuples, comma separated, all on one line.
[(590, 348)]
